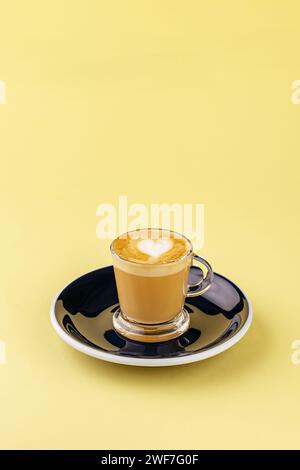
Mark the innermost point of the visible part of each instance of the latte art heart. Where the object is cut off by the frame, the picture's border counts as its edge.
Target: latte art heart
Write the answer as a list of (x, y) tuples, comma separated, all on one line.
[(151, 246), (154, 248)]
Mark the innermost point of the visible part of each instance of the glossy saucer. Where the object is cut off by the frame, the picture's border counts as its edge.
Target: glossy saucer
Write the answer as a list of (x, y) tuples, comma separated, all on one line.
[(81, 314)]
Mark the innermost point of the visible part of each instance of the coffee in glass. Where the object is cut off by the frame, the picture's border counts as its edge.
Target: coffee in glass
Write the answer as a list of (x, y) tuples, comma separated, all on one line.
[(151, 269)]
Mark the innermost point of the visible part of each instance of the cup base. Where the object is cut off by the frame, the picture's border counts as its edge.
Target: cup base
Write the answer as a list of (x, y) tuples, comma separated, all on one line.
[(151, 333)]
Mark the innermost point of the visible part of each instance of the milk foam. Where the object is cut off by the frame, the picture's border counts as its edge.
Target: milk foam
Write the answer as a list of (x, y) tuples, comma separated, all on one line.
[(154, 248), (151, 247)]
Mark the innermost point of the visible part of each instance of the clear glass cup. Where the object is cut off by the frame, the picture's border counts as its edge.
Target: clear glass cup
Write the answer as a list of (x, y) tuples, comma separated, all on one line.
[(152, 296)]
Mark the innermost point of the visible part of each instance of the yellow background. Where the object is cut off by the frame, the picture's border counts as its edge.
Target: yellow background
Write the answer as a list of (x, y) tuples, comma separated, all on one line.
[(163, 101)]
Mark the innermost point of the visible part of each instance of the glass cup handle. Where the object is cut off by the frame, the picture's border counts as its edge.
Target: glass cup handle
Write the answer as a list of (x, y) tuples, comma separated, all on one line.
[(204, 284)]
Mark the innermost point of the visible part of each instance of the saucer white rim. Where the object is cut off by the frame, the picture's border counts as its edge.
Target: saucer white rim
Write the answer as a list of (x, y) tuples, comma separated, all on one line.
[(159, 362)]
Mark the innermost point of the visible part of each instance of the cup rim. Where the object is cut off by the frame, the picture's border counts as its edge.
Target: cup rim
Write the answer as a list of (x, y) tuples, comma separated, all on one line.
[(151, 264)]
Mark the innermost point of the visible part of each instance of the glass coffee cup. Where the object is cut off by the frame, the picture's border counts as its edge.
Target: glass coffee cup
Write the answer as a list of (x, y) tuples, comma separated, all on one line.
[(151, 269)]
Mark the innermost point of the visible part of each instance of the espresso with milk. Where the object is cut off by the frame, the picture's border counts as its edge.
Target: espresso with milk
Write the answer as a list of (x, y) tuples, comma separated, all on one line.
[(151, 273)]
